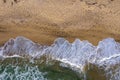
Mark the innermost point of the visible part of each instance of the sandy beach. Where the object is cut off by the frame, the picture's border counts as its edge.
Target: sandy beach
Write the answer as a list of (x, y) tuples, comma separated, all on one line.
[(43, 21)]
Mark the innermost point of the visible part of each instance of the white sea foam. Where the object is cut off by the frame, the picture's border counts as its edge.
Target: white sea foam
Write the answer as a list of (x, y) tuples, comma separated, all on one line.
[(77, 54), (21, 73), (13, 56)]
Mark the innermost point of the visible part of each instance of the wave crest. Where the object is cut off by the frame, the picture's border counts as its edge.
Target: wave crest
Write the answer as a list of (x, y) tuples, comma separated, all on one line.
[(77, 54)]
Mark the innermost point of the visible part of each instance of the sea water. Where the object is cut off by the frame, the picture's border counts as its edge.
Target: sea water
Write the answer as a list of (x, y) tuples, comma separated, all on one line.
[(22, 59)]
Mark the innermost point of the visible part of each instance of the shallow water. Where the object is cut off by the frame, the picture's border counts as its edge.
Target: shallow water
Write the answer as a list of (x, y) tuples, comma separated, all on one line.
[(21, 69), (22, 59)]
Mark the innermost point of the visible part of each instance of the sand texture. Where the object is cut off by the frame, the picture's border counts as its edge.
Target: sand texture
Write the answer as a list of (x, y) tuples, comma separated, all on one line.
[(44, 20)]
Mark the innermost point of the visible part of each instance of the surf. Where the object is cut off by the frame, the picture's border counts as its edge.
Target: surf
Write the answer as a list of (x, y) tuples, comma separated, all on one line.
[(83, 58)]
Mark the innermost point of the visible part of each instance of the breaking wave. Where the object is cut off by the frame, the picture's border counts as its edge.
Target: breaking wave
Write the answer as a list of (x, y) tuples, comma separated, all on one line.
[(11, 72), (80, 56)]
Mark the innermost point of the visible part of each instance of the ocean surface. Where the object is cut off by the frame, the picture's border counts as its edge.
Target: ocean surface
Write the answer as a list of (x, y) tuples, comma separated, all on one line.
[(23, 59)]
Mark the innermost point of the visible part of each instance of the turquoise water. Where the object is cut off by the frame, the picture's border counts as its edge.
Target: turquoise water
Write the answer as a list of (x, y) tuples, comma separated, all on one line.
[(22, 69)]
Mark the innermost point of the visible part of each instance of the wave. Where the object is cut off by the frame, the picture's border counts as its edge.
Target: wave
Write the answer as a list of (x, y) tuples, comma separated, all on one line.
[(76, 55), (21, 73)]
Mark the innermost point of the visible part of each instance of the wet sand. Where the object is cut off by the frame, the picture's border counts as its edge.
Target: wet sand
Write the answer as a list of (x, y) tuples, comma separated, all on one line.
[(47, 34)]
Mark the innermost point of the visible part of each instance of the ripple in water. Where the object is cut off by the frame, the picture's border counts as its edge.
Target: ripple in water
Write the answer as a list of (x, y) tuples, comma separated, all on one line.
[(87, 61), (10, 72)]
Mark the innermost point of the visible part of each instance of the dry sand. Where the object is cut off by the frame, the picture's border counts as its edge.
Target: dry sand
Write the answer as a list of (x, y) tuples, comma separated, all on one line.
[(44, 20)]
